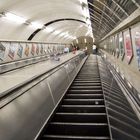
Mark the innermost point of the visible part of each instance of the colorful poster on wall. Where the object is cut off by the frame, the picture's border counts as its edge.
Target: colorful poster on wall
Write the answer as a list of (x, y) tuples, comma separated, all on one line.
[(137, 44), (128, 45), (117, 45), (112, 45), (12, 50), (37, 49), (41, 49), (121, 45), (26, 52), (2, 51), (33, 49), (20, 50), (45, 48)]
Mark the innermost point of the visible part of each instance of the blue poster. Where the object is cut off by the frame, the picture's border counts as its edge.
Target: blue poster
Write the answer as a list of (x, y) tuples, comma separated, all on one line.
[(137, 43), (12, 50), (20, 50)]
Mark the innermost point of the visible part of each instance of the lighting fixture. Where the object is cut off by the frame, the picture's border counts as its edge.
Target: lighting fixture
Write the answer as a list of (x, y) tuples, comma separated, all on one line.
[(48, 29), (14, 17), (36, 25), (56, 32), (85, 40)]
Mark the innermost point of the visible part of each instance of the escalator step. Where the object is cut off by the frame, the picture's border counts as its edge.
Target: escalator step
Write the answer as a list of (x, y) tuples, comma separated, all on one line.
[(82, 109), (87, 81), (80, 117), (86, 84), (84, 129), (84, 96), (65, 137), (85, 87), (72, 91), (83, 102)]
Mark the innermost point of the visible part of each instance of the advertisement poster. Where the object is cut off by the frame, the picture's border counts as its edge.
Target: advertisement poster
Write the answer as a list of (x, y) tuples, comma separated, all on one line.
[(45, 48), (26, 52), (137, 44), (113, 46), (117, 45), (54, 49), (12, 50), (2, 51), (33, 49), (20, 50), (37, 49), (128, 45), (121, 45), (41, 49)]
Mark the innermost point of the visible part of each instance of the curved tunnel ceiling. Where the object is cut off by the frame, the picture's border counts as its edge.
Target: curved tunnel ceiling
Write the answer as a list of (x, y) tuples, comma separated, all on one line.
[(44, 12), (54, 21), (105, 15)]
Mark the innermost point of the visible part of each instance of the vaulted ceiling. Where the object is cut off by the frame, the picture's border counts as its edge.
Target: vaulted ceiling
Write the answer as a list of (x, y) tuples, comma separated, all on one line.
[(105, 15), (62, 20)]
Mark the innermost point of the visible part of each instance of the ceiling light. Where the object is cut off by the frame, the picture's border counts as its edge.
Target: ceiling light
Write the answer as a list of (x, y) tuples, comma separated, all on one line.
[(48, 29), (56, 32), (85, 40), (83, 1), (77, 41), (62, 34), (36, 25), (88, 21), (14, 18)]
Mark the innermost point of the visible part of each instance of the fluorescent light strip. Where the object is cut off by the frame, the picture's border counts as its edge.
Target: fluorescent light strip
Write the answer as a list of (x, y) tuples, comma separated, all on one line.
[(36, 25), (49, 29), (85, 40), (13, 17)]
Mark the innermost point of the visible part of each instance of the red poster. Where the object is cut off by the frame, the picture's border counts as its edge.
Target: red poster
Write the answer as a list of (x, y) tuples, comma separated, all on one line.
[(128, 45)]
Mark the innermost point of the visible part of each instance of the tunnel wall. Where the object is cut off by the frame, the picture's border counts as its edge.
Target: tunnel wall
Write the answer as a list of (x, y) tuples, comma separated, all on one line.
[(12, 51), (121, 58)]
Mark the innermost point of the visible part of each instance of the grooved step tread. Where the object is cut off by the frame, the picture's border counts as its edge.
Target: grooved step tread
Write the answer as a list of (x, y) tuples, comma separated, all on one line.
[(87, 114), (76, 137), (78, 124)]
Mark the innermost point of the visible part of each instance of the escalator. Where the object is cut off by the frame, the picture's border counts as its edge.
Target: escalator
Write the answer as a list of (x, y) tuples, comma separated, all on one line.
[(86, 111), (82, 113)]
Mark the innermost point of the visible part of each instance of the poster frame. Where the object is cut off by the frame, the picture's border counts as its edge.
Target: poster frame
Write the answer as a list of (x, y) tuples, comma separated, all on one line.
[(129, 31)]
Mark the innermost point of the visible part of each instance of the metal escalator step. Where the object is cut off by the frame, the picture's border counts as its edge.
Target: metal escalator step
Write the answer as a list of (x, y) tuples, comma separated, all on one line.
[(84, 96), (72, 91), (87, 81), (85, 87), (86, 84), (87, 78), (80, 117), (84, 129), (82, 109), (65, 137), (83, 102)]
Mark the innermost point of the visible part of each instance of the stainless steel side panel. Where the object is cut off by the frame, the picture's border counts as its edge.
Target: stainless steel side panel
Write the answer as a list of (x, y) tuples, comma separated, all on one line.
[(58, 83), (26, 114), (71, 69)]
